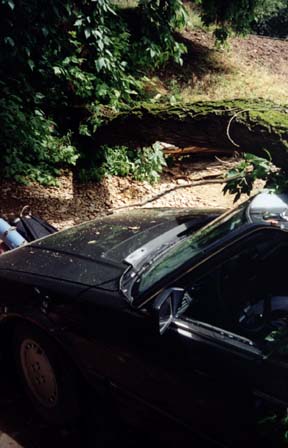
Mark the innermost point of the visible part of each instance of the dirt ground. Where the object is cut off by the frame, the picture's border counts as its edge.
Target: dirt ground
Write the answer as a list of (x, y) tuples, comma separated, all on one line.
[(267, 52), (264, 51), (72, 203)]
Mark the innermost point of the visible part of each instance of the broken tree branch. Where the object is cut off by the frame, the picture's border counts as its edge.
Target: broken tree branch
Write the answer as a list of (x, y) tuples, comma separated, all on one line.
[(196, 183)]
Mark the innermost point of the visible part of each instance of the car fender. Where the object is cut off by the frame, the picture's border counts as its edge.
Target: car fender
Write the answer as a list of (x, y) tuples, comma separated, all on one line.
[(9, 322)]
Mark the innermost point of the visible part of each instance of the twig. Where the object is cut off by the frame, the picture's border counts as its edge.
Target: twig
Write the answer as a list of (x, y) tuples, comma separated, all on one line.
[(241, 112), (195, 183), (229, 125), (224, 162)]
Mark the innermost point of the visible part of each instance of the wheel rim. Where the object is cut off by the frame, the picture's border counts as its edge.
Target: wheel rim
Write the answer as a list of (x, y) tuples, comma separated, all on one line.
[(39, 373)]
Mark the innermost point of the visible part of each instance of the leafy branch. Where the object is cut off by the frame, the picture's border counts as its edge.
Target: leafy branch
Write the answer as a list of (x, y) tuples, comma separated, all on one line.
[(241, 178)]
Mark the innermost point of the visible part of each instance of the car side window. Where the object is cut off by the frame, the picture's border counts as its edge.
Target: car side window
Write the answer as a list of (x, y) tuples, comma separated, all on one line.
[(206, 305), (241, 283)]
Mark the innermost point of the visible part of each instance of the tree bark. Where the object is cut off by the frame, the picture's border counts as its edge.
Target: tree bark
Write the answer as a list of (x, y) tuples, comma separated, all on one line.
[(257, 127)]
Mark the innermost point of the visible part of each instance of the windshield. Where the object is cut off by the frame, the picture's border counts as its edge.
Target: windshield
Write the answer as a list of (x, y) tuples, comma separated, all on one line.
[(193, 245)]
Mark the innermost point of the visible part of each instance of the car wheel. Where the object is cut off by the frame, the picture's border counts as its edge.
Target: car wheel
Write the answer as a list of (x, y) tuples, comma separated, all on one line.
[(49, 378)]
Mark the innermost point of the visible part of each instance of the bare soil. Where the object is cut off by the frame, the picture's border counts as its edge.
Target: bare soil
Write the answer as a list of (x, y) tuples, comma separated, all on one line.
[(261, 50), (264, 51)]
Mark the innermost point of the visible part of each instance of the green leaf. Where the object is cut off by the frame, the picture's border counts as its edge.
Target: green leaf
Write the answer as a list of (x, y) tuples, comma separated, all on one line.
[(9, 40), (100, 63), (45, 31), (78, 22), (87, 32), (11, 4), (31, 64), (57, 70)]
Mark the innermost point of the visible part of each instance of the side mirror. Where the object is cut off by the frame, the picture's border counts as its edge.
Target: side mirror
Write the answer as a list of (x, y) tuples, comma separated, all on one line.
[(166, 306)]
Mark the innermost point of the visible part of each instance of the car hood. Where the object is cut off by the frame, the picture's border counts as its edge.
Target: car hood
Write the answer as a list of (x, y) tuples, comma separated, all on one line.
[(98, 252)]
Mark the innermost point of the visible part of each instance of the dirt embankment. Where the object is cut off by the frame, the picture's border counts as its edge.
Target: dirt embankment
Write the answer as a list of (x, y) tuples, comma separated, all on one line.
[(264, 51)]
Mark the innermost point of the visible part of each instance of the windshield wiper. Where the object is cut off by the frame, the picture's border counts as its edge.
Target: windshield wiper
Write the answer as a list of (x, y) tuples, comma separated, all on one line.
[(198, 224), (164, 241)]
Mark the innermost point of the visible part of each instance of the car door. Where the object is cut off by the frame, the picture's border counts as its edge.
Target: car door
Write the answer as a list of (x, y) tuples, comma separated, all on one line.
[(221, 292), (205, 340), (168, 374), (193, 375), (197, 358), (156, 375)]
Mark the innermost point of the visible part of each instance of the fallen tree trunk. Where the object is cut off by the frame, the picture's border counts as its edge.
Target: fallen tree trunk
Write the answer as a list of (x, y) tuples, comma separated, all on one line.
[(246, 126)]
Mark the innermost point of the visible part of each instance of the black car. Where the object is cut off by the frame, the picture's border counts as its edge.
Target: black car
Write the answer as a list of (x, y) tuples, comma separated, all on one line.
[(139, 303)]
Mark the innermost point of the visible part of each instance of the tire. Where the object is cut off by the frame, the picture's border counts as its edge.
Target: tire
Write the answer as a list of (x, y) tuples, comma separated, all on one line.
[(50, 379)]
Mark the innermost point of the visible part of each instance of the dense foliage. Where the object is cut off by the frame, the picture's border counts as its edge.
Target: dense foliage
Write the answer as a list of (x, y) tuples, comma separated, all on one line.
[(273, 21), (143, 165), (66, 66), (61, 62)]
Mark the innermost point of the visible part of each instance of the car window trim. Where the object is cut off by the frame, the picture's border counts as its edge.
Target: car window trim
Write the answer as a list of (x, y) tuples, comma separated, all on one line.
[(217, 336)]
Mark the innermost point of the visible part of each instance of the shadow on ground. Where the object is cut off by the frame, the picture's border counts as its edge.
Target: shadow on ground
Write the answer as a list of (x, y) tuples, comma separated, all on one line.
[(199, 62), (20, 427)]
